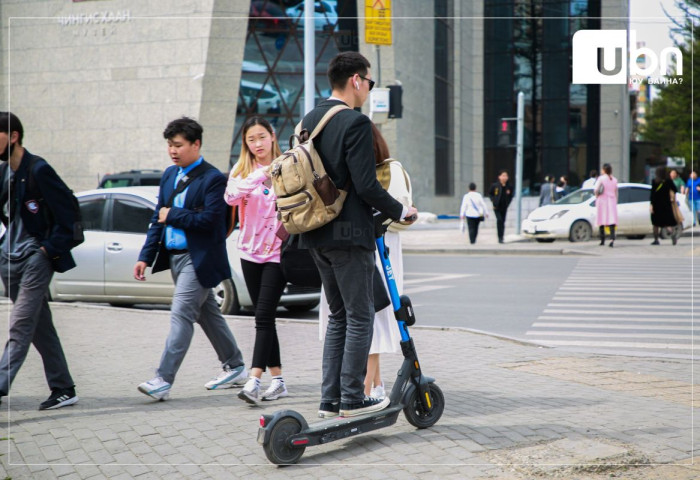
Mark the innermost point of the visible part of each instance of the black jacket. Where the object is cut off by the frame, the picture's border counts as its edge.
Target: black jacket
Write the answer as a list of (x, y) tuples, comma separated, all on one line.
[(345, 146), (47, 212), (501, 196), (203, 218)]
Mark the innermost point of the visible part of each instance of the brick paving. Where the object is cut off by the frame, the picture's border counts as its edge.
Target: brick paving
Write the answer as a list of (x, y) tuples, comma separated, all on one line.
[(511, 411)]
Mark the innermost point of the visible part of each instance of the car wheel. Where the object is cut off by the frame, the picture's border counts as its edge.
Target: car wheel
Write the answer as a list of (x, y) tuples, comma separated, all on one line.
[(304, 307), (635, 237), (581, 231), (226, 298), (664, 234), (544, 240)]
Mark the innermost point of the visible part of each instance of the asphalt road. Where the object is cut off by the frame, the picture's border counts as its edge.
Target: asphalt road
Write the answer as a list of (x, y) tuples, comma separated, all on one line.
[(621, 305)]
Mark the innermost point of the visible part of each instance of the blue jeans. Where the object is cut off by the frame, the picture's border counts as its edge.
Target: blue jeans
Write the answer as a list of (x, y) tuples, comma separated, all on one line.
[(695, 208), (27, 282), (346, 273), (194, 303)]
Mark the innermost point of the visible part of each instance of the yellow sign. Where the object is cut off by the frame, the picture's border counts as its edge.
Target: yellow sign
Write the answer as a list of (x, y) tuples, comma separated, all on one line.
[(378, 22)]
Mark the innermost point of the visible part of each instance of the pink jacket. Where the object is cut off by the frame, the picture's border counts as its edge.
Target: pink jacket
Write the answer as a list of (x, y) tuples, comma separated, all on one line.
[(257, 240)]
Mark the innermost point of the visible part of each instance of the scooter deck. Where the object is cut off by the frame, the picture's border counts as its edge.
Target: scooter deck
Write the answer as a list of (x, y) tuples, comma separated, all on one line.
[(338, 428)]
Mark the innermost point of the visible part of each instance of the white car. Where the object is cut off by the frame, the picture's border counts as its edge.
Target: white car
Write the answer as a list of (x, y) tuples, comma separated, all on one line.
[(115, 222), (574, 216), (325, 15)]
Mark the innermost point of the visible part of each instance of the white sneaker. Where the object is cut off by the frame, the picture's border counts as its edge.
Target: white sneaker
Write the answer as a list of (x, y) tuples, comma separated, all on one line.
[(378, 391), (251, 391), (277, 389), (156, 388), (229, 377)]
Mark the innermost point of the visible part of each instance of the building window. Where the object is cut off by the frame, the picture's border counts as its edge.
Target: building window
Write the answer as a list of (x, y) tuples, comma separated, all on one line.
[(528, 48), (272, 79), (444, 161)]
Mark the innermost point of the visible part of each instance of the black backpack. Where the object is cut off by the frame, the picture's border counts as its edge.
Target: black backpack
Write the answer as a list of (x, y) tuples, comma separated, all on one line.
[(78, 235)]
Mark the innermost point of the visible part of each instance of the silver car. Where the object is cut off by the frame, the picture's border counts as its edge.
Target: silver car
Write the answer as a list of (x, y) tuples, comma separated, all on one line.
[(115, 221)]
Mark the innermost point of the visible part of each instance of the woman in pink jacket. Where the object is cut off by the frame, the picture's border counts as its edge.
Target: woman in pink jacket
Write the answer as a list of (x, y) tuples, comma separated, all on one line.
[(249, 188), (605, 189)]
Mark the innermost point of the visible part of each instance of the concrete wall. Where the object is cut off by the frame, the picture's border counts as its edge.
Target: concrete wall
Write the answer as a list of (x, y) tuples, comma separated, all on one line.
[(614, 103), (95, 83)]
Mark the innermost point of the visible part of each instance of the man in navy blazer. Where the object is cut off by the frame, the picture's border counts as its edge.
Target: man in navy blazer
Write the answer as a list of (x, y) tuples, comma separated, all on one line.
[(39, 212), (188, 235)]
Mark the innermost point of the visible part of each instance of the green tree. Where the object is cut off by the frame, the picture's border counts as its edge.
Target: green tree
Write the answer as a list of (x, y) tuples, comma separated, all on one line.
[(670, 121)]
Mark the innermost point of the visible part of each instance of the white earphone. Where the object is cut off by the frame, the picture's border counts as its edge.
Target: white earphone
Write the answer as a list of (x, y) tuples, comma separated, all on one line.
[(357, 85)]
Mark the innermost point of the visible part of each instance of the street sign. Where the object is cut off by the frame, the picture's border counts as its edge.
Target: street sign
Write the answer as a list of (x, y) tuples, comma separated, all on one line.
[(378, 22), (675, 162)]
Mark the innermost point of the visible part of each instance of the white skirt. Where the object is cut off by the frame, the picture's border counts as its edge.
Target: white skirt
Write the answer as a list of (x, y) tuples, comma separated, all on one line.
[(386, 337)]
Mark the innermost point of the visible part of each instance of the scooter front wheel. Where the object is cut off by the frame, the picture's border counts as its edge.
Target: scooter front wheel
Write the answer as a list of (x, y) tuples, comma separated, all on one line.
[(278, 450), (415, 412)]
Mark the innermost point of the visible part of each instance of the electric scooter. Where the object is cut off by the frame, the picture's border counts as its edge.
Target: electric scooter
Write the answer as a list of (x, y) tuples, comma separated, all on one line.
[(285, 434)]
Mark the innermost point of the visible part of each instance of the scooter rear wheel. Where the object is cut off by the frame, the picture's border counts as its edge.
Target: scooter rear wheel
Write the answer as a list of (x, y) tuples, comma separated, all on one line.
[(416, 414), (278, 450)]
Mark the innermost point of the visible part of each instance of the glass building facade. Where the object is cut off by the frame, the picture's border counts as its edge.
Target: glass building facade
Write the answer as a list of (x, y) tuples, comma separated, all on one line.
[(528, 49), (272, 80)]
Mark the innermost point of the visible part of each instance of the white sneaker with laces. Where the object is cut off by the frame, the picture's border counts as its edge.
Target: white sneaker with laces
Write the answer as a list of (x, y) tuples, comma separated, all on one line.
[(378, 391), (251, 392), (277, 389), (156, 388), (229, 377)]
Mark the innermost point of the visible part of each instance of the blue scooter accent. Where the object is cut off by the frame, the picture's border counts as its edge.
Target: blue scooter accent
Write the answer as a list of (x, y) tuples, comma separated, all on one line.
[(285, 434)]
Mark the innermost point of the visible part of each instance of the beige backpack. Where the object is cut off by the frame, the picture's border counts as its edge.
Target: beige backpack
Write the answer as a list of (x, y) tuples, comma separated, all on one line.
[(306, 196)]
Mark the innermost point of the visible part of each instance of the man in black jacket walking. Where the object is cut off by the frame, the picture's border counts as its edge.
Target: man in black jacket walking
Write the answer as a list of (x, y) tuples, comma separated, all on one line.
[(344, 248), (41, 218), (501, 194)]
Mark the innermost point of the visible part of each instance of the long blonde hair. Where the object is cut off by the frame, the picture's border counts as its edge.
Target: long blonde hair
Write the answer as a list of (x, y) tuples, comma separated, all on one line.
[(246, 162)]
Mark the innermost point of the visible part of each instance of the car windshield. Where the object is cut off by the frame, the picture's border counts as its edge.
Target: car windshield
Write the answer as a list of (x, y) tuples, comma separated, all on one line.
[(579, 196)]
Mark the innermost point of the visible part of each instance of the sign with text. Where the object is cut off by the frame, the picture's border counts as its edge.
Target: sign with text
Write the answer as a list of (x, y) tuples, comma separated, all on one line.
[(378, 22)]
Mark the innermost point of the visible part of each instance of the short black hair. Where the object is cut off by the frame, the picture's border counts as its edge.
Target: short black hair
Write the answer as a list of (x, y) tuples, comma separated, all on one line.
[(9, 122), (185, 126), (502, 171), (345, 65), (472, 187)]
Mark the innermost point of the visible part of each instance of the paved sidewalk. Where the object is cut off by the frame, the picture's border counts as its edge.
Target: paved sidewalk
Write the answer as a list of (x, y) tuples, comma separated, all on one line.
[(444, 236), (513, 411)]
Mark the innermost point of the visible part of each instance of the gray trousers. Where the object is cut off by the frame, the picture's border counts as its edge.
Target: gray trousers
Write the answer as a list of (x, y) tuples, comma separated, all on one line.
[(194, 303), (346, 273), (27, 282)]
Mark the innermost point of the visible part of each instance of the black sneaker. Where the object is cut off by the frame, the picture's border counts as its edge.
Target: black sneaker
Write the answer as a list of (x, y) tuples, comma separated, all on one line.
[(328, 410), (368, 405), (61, 397)]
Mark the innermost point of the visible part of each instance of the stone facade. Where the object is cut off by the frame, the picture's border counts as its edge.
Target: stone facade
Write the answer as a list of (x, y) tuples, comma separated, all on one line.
[(95, 82)]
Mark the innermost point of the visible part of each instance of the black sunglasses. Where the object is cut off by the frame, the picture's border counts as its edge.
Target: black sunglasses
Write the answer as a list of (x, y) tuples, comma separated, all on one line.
[(371, 82)]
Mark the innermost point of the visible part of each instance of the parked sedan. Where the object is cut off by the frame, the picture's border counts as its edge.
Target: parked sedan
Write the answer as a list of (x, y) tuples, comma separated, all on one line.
[(574, 216), (115, 222)]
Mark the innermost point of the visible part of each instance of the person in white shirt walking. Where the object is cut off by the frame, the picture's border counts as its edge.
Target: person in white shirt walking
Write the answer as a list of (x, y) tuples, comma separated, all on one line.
[(473, 209)]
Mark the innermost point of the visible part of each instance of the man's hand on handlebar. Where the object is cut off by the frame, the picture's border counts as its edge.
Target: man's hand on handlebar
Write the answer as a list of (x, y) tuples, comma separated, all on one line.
[(411, 216)]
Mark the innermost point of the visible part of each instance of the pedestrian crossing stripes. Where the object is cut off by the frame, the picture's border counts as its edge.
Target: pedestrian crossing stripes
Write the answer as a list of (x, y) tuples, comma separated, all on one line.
[(624, 305)]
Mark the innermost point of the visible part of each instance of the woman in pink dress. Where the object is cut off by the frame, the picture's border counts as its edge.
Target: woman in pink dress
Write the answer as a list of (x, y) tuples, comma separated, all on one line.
[(605, 189)]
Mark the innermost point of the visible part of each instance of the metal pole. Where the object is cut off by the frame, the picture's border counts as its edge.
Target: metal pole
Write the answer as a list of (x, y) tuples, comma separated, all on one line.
[(519, 161), (309, 56)]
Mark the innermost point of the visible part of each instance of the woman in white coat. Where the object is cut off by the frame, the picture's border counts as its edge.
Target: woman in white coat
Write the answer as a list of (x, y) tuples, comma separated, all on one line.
[(473, 209)]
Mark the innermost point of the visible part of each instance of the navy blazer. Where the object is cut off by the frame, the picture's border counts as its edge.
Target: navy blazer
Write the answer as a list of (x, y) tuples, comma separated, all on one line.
[(203, 219), (48, 214)]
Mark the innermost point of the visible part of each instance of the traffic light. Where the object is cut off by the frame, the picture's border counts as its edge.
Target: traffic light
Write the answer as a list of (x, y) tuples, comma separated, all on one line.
[(506, 130), (395, 105)]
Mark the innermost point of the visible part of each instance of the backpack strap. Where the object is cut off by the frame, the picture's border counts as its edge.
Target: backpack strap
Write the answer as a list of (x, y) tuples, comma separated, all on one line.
[(326, 118), (185, 181)]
